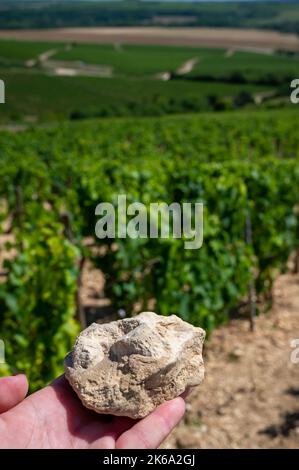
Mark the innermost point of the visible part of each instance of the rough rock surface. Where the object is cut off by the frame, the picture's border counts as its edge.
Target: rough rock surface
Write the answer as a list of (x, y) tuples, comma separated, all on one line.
[(129, 367)]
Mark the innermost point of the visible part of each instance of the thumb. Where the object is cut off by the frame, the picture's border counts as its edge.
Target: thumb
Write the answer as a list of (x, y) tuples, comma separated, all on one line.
[(13, 390)]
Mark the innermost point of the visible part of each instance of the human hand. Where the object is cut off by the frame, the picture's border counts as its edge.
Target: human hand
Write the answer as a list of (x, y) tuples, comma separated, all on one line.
[(55, 418)]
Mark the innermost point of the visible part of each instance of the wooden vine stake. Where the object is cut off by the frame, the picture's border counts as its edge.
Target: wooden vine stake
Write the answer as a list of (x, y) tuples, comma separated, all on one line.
[(66, 218), (19, 212), (251, 287), (296, 262)]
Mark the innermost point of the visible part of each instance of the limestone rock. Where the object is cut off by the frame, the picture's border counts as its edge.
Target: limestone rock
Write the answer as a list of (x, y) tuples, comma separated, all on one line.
[(129, 367)]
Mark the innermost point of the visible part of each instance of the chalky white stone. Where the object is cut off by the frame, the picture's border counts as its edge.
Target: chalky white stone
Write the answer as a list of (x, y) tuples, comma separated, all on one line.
[(129, 367)]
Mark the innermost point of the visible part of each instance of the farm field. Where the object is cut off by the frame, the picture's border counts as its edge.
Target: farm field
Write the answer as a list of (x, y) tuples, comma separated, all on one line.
[(215, 63), (142, 80), (142, 60), (12, 52), (50, 98), (196, 37), (128, 59), (251, 66)]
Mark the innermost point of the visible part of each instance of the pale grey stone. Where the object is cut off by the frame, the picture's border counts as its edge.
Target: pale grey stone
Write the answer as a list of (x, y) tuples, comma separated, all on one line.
[(129, 367)]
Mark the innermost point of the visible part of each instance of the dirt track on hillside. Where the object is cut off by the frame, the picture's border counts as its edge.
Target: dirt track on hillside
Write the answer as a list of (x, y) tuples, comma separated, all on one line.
[(197, 37)]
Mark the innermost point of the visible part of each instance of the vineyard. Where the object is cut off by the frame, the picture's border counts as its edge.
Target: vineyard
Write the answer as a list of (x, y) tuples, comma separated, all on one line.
[(134, 60), (244, 168), (51, 81), (62, 98)]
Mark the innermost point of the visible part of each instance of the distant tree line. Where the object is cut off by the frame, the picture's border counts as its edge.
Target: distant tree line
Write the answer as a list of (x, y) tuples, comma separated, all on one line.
[(52, 14)]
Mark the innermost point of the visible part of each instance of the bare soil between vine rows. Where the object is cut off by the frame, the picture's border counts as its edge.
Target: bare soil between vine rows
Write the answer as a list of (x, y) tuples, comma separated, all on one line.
[(250, 396)]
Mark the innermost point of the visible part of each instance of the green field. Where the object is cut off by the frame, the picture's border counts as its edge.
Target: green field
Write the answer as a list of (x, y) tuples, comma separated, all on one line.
[(252, 66), (20, 51), (219, 81), (44, 97), (134, 60), (144, 60), (130, 59)]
